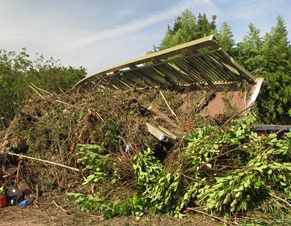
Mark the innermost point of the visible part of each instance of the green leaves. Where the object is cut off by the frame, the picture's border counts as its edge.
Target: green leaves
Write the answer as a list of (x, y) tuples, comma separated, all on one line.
[(225, 38), (18, 72), (187, 28), (224, 170), (161, 189), (96, 162), (147, 168), (254, 166), (275, 99)]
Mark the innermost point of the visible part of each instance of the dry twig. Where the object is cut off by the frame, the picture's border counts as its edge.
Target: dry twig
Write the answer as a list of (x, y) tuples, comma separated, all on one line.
[(209, 215), (169, 106), (60, 207), (162, 115), (41, 160), (276, 197)]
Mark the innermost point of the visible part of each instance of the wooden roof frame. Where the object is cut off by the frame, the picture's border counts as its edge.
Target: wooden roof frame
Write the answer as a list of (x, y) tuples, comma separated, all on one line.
[(200, 61)]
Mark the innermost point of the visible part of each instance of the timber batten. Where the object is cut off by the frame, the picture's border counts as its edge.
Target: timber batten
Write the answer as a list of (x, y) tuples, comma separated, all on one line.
[(201, 61)]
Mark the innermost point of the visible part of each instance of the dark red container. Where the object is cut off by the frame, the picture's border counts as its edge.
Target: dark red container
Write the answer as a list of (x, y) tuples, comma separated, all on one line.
[(3, 201)]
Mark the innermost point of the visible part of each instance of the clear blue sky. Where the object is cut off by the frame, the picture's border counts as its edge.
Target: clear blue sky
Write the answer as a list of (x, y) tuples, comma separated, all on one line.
[(97, 34)]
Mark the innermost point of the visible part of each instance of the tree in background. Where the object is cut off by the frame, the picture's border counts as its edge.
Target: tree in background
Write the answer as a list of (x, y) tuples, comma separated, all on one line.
[(187, 28), (275, 99), (225, 38), (249, 52), (268, 57), (204, 27), (17, 72), (276, 49)]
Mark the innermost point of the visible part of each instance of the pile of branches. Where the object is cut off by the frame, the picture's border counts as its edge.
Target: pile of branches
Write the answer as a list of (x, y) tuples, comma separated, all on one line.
[(229, 172), (97, 144), (50, 126)]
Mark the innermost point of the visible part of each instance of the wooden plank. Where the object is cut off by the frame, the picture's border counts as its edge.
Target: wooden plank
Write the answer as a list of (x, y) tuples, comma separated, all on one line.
[(169, 134), (209, 41), (212, 66), (157, 132), (162, 116)]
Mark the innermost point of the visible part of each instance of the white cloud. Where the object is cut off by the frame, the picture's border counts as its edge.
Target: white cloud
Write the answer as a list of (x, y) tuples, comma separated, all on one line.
[(135, 25), (100, 49)]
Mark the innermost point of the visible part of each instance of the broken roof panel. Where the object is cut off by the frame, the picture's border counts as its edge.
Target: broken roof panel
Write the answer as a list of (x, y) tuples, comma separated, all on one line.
[(200, 61)]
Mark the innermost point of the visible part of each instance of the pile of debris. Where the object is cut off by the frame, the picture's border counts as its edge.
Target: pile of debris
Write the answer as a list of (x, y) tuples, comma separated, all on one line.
[(154, 101), (49, 126)]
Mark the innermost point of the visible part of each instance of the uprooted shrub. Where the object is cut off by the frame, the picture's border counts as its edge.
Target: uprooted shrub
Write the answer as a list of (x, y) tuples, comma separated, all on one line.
[(227, 170)]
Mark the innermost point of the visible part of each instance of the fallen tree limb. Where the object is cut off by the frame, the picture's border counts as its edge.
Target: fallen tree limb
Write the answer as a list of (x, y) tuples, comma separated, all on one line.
[(162, 115), (35, 90), (280, 199), (41, 160), (209, 215), (169, 106), (62, 102), (203, 103), (40, 89), (60, 207)]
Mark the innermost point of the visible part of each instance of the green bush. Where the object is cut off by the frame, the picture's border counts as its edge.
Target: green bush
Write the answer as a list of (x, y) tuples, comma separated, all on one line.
[(223, 170), (18, 73)]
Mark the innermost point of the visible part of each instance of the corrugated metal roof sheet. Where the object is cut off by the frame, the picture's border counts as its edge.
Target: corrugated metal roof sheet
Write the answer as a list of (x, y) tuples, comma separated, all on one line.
[(201, 61)]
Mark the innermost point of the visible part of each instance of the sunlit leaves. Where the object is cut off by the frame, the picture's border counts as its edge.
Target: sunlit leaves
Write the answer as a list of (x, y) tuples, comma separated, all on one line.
[(18, 71), (187, 28)]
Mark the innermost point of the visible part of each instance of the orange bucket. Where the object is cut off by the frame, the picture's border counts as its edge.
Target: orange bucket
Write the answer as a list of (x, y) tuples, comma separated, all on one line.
[(3, 201)]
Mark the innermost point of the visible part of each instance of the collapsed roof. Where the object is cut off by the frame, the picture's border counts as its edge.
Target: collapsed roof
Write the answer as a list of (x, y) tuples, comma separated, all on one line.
[(201, 61)]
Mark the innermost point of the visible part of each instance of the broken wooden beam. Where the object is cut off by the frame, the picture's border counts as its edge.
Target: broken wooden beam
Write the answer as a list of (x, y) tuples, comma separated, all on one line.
[(159, 134), (162, 115), (169, 133)]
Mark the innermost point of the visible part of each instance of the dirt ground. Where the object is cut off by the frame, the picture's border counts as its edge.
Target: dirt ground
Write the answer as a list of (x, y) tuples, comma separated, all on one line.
[(51, 214)]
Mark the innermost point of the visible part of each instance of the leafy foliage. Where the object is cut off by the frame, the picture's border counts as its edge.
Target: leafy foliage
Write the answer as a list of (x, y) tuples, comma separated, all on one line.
[(275, 99), (225, 38), (275, 49), (18, 72), (187, 28), (242, 167), (269, 57), (96, 160), (103, 172), (249, 51), (225, 170), (160, 188)]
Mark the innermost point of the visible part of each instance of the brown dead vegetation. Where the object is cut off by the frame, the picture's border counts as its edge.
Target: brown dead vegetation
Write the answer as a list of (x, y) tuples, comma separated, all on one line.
[(39, 146)]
